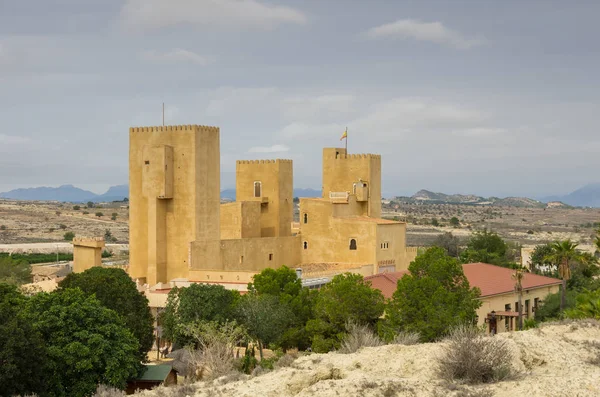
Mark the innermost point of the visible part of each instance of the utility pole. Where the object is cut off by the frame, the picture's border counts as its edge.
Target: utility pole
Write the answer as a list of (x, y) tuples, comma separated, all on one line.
[(163, 114)]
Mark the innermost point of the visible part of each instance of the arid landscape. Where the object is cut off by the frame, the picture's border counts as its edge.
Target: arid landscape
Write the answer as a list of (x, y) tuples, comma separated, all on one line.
[(555, 360), (46, 222)]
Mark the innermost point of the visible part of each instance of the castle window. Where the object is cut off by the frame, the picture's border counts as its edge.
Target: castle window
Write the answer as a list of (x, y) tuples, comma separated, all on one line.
[(257, 189), (305, 245), (305, 218), (385, 245), (270, 257), (241, 259), (353, 244), (337, 154), (147, 162)]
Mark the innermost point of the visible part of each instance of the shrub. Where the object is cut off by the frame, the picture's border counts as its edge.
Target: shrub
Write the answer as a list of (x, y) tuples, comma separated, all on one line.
[(107, 391), (529, 323), (358, 336), (99, 214), (62, 226), (473, 357), (76, 207), (2, 227), (85, 212), (406, 338), (69, 236), (286, 360), (51, 230), (57, 213)]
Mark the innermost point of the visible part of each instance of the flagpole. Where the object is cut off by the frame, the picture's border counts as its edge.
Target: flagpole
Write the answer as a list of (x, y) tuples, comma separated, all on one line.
[(346, 142)]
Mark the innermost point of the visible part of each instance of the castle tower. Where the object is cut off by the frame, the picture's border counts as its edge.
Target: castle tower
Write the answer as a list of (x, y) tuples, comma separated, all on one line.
[(174, 197), (358, 174), (271, 183), (87, 253)]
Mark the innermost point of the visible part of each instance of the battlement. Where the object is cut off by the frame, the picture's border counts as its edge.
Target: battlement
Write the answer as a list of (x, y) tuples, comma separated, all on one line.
[(276, 161), (359, 156), (174, 128), (91, 242)]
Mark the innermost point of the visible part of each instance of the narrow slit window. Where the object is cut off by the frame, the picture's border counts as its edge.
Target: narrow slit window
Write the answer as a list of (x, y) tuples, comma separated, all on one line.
[(305, 245), (270, 257), (257, 189), (305, 218)]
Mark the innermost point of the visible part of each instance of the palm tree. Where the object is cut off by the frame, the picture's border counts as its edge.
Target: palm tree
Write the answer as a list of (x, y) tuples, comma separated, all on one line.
[(564, 253), (518, 277)]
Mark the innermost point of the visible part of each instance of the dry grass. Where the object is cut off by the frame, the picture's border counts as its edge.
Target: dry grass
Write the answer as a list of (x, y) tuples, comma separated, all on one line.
[(406, 338), (107, 391), (358, 336), (473, 357), (286, 360)]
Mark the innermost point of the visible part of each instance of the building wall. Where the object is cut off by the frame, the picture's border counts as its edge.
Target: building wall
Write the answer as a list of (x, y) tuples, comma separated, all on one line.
[(87, 253), (276, 179), (497, 303), (240, 219), (342, 170), (174, 183), (390, 246), (245, 255)]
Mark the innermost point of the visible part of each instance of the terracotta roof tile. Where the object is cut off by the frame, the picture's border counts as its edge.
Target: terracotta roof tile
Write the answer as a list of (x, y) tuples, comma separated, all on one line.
[(490, 279)]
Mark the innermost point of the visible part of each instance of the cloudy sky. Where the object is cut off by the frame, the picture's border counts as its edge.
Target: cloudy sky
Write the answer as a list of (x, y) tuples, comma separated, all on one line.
[(487, 97)]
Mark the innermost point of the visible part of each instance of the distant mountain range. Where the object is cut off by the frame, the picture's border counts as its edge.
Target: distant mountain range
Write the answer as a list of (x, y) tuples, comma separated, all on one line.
[(587, 196), (72, 194), (426, 196)]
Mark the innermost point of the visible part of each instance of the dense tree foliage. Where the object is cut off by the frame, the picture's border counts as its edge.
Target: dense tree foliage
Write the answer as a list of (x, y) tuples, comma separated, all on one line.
[(264, 316), (287, 287), (14, 271), (449, 242), (22, 353), (549, 308), (198, 302), (487, 247), (433, 298), (348, 298), (86, 343), (539, 262), (117, 291), (587, 305)]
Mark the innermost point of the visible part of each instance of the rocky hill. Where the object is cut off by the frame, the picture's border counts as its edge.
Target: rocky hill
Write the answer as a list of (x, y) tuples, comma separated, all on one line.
[(552, 361), (426, 196), (587, 196)]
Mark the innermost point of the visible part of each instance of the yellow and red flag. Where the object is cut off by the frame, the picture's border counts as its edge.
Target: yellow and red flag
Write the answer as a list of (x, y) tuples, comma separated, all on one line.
[(344, 135)]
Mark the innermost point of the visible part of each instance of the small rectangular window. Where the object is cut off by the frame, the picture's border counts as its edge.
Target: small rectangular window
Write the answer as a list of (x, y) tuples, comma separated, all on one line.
[(147, 162), (270, 257), (257, 189)]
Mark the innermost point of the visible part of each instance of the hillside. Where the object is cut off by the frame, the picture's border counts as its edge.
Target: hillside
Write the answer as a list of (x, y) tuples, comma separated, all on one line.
[(552, 361), (426, 196), (587, 196)]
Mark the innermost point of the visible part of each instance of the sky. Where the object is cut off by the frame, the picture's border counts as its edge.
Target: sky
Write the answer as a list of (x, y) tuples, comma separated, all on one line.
[(486, 97)]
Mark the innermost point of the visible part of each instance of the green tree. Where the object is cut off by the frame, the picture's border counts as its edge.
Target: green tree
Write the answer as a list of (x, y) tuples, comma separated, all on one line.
[(348, 298), (198, 302), (87, 343), (117, 291), (449, 243), (287, 287), (76, 208), (434, 222), (587, 305), (454, 222), (539, 262), (432, 299), (14, 271), (264, 316), (99, 214), (564, 253), (549, 308), (69, 236), (23, 353), (90, 204), (487, 247)]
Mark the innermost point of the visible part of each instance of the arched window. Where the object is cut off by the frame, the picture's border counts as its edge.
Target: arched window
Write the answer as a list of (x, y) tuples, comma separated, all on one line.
[(353, 244), (305, 218), (257, 189), (305, 245)]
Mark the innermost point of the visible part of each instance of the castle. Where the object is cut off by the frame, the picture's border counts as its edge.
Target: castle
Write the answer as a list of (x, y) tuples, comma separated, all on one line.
[(180, 230)]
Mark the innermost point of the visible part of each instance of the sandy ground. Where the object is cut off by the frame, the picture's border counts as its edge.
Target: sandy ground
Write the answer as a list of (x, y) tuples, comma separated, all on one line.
[(551, 361)]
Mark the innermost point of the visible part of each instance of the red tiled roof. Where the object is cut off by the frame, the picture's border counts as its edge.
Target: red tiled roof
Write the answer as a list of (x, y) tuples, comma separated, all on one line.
[(386, 282), (495, 280), (490, 279)]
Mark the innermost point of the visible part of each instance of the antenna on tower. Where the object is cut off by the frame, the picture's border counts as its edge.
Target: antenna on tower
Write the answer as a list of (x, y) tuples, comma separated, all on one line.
[(163, 114)]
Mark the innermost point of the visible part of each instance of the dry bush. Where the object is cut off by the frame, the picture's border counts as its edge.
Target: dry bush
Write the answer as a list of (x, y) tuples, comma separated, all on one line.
[(474, 357), (286, 360), (358, 336), (107, 391), (406, 338)]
